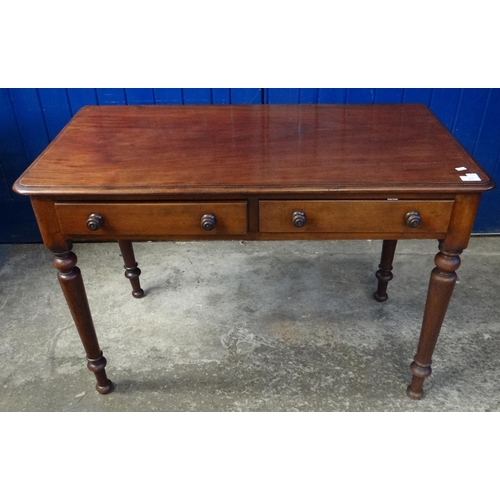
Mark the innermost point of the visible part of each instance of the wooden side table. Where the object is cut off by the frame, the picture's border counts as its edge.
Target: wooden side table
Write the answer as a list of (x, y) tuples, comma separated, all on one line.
[(385, 172)]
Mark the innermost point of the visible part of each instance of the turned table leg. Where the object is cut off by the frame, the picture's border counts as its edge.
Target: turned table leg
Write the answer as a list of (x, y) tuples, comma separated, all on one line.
[(132, 272), (72, 286), (442, 282), (384, 274)]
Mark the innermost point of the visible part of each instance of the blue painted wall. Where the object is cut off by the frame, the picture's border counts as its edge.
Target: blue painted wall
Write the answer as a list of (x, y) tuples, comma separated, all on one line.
[(31, 118)]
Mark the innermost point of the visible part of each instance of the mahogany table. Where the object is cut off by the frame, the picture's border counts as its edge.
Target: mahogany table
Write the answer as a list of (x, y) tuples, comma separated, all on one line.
[(304, 172)]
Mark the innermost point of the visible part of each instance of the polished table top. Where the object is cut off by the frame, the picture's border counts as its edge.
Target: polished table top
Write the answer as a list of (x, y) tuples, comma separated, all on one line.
[(154, 151)]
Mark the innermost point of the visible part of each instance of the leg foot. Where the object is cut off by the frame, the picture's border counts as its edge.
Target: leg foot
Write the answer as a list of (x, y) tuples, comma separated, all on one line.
[(380, 298), (414, 395), (420, 373), (384, 274), (104, 385), (132, 272)]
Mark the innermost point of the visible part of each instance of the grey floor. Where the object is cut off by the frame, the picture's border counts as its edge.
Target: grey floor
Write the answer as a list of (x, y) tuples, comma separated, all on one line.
[(248, 326)]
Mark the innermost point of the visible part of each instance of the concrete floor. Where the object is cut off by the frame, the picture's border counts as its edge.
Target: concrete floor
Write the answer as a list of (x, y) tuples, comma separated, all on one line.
[(248, 326)]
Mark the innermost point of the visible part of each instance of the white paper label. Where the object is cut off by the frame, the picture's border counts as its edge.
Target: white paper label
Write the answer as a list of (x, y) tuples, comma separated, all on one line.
[(470, 177), (461, 168)]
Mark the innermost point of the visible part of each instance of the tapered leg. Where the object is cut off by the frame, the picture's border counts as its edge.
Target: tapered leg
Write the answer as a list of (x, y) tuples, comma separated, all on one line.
[(132, 272), (442, 282), (384, 274), (71, 282)]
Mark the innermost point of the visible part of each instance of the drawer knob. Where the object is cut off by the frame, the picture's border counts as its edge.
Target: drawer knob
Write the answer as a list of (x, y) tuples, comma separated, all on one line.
[(413, 219), (298, 219), (94, 222), (208, 222)]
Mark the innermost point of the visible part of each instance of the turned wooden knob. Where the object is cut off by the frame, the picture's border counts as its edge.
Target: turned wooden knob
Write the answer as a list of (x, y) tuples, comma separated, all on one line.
[(413, 219), (208, 222), (94, 222), (298, 219)]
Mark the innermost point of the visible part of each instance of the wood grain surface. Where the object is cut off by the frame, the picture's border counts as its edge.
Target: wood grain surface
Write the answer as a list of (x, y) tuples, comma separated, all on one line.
[(150, 151), (354, 216), (153, 219)]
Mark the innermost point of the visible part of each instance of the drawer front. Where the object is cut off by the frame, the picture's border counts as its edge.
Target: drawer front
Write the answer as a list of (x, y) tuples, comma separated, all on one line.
[(153, 219), (355, 216)]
